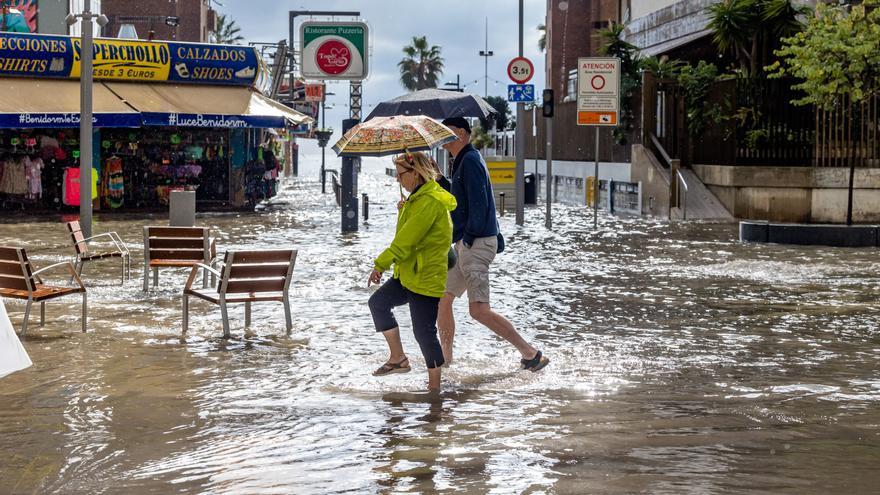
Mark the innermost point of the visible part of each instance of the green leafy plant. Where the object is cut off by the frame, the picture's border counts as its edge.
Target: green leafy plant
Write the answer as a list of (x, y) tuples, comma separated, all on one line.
[(661, 67), (696, 82), (613, 45)]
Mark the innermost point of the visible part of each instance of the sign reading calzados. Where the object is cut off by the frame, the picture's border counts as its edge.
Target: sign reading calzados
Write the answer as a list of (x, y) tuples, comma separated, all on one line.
[(28, 55), (335, 50)]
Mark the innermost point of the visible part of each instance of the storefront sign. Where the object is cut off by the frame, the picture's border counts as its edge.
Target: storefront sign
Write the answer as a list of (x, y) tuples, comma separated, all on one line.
[(205, 120), (64, 120), (334, 50), (314, 92), (28, 55)]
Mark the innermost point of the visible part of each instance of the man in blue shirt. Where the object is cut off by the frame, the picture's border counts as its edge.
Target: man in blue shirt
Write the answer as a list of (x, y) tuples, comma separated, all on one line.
[(477, 240)]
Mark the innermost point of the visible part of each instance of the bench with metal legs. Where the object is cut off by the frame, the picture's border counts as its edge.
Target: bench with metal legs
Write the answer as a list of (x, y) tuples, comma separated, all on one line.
[(84, 254), (18, 280), (248, 277), (176, 247)]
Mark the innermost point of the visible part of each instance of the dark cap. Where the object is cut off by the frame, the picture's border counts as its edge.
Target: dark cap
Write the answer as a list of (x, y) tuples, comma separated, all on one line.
[(458, 122)]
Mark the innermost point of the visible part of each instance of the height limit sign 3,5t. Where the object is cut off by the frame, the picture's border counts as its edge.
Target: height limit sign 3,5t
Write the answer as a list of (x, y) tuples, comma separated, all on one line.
[(598, 95)]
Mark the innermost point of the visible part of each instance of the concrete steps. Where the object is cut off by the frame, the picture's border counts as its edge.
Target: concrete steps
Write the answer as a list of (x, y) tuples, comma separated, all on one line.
[(702, 204)]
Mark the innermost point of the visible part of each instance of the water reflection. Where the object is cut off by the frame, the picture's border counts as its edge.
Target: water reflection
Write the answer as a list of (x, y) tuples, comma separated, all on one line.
[(683, 362)]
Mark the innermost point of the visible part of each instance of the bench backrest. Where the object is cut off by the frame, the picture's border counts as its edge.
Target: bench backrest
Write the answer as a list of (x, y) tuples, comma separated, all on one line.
[(177, 243), (15, 269), (257, 271), (76, 235)]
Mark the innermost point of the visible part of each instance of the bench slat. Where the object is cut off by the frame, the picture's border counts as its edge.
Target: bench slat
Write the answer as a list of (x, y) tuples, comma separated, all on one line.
[(176, 243), (14, 283), (177, 254), (267, 256), (9, 254), (255, 285), (14, 269), (261, 270), (177, 232)]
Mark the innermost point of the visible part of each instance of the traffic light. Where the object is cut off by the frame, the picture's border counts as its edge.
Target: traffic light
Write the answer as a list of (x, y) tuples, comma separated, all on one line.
[(547, 98)]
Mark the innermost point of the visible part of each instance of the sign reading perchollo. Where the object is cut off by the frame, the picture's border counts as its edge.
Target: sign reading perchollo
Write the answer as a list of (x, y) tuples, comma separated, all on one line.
[(30, 55), (335, 50)]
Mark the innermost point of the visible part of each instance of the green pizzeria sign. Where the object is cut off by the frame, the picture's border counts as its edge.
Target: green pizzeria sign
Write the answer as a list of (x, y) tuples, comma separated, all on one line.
[(335, 50)]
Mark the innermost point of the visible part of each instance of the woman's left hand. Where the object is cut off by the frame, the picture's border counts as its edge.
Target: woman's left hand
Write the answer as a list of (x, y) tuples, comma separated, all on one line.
[(375, 277)]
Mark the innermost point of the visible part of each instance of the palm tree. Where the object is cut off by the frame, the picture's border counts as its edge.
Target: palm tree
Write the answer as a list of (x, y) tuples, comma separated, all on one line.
[(422, 66), (542, 41), (226, 32), (751, 29)]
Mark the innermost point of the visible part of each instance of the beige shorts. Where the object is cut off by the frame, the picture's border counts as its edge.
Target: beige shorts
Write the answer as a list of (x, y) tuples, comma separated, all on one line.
[(471, 272)]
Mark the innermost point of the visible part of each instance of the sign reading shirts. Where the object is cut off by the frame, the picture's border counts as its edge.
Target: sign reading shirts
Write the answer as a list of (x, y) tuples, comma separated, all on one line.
[(29, 55), (334, 50)]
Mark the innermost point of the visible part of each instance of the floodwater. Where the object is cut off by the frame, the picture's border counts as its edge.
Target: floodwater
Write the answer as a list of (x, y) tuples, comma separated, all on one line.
[(682, 362)]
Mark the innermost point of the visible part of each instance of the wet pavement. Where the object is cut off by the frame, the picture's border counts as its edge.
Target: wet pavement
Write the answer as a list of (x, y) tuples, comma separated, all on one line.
[(682, 362)]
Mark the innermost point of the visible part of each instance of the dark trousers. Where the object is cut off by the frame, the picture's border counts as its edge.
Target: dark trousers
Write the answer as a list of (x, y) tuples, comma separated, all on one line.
[(422, 311)]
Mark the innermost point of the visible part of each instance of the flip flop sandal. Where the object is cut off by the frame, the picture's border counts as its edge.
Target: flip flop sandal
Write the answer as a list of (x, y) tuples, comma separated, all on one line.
[(389, 368), (537, 363)]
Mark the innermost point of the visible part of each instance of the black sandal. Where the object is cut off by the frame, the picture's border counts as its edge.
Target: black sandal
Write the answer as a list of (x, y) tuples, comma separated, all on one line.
[(537, 363), (389, 368)]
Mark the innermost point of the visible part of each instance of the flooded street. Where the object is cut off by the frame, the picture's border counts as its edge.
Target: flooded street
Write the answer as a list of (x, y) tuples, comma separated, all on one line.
[(681, 362)]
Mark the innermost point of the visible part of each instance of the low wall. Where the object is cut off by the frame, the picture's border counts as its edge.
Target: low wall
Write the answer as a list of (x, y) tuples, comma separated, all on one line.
[(654, 179), (794, 194)]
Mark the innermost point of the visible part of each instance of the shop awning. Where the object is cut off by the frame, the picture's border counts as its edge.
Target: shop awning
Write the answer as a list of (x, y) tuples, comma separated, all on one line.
[(205, 106), (40, 103)]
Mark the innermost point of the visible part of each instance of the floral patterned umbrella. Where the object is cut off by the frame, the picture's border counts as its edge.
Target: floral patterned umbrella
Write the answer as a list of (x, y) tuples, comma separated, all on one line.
[(383, 136)]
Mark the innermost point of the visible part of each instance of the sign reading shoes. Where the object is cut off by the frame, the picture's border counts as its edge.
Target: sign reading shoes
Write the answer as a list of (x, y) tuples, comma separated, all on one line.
[(335, 50), (598, 95), (31, 55)]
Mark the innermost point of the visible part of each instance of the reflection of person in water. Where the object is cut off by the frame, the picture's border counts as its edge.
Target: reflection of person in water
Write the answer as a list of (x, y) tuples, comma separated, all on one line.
[(417, 443)]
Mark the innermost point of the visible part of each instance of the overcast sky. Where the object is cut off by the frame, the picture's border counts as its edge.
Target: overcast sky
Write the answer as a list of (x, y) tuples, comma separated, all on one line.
[(457, 26)]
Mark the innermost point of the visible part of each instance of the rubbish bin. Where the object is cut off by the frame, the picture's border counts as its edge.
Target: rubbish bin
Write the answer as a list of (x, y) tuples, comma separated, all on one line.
[(531, 189), (182, 208)]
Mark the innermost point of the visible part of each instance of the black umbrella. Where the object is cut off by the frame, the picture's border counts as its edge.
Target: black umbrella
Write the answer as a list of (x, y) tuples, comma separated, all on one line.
[(435, 103)]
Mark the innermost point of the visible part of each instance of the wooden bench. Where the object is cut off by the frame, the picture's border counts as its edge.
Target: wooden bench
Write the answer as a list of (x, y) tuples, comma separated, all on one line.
[(245, 276), (84, 254), (19, 281), (176, 247)]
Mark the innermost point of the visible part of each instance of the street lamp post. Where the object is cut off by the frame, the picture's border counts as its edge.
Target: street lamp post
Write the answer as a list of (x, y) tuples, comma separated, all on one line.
[(486, 54), (85, 113)]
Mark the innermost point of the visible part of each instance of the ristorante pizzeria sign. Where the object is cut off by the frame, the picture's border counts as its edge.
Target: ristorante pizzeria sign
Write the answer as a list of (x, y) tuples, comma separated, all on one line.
[(27, 55)]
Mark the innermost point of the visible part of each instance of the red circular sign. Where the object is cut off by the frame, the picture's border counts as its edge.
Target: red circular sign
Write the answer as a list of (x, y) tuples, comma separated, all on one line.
[(333, 57), (597, 82), (520, 70)]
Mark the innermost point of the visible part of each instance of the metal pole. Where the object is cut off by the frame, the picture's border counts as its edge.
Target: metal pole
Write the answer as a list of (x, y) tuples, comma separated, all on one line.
[(486, 64), (85, 123), (520, 141), (548, 176), (323, 147), (348, 179), (596, 173)]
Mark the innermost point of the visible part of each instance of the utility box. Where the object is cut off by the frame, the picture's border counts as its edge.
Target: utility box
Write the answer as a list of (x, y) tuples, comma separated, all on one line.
[(502, 175), (182, 209)]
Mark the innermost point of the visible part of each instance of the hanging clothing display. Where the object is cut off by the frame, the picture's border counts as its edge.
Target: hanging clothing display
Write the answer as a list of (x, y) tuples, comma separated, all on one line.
[(34, 173), (115, 182)]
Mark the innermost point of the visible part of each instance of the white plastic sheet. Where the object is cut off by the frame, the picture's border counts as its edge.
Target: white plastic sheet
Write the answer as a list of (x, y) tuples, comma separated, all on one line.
[(12, 355)]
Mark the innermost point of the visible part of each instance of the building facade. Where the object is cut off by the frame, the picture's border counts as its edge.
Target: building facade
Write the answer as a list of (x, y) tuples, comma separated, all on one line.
[(178, 20)]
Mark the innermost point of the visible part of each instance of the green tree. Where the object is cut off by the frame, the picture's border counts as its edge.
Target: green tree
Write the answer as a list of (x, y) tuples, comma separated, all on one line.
[(227, 32), (481, 139), (542, 41), (613, 45), (837, 59), (661, 67), (502, 118), (422, 66), (749, 30)]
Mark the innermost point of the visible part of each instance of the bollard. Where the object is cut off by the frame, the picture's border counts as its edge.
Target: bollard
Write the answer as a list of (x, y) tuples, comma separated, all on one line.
[(366, 206), (502, 203)]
